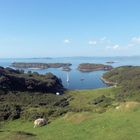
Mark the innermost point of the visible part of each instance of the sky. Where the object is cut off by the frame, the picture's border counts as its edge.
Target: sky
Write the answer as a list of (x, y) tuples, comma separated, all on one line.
[(65, 28)]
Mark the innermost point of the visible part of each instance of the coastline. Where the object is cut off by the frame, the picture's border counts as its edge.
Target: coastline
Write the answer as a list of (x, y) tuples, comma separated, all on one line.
[(108, 82)]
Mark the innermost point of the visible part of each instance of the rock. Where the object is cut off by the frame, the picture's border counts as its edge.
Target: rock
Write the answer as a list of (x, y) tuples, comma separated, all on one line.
[(40, 122)]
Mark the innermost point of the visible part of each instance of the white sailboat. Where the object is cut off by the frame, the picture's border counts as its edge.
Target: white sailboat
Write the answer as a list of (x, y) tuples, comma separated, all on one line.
[(67, 77)]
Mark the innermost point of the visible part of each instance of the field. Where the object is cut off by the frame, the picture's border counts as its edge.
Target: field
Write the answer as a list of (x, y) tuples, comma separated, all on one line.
[(120, 121)]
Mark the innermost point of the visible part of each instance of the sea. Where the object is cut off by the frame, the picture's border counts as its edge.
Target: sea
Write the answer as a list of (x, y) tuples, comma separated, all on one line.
[(77, 79)]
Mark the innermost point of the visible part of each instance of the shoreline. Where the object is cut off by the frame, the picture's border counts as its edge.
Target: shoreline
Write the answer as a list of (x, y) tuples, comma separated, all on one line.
[(112, 84)]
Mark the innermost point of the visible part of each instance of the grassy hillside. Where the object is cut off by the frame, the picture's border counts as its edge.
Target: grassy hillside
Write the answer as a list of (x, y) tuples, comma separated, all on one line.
[(107, 113), (113, 124), (128, 78)]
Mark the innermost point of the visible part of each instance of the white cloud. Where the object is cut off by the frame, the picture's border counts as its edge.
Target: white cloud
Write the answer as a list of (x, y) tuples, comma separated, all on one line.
[(105, 41), (110, 45), (66, 41), (135, 40), (115, 46), (92, 42)]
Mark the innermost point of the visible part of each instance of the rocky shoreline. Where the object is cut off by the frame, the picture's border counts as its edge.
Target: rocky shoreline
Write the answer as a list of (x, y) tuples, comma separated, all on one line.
[(108, 82)]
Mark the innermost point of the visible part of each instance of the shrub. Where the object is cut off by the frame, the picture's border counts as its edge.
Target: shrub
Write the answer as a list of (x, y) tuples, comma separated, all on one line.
[(102, 101)]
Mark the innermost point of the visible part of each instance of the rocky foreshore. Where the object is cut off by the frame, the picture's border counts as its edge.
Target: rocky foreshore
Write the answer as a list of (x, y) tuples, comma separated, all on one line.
[(108, 82), (89, 67)]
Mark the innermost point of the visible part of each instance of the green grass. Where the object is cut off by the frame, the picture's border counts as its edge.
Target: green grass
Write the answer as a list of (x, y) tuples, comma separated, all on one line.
[(82, 98), (113, 124)]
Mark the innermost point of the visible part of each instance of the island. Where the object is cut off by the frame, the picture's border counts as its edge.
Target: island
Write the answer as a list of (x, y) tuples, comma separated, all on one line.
[(89, 67), (66, 68), (110, 62), (40, 65)]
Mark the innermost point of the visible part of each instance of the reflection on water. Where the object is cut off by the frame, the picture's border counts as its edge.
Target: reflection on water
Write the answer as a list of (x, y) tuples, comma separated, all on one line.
[(67, 80)]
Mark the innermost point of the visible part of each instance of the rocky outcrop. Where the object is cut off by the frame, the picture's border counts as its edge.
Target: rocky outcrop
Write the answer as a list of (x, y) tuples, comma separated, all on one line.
[(89, 67), (15, 80)]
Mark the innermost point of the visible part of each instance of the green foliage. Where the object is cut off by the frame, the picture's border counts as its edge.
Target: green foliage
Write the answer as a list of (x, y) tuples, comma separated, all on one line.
[(30, 106), (15, 80), (126, 77), (34, 113), (10, 112), (102, 101), (93, 112), (88, 120)]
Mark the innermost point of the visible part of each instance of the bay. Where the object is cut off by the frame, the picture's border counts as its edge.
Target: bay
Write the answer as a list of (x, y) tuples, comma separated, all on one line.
[(77, 79)]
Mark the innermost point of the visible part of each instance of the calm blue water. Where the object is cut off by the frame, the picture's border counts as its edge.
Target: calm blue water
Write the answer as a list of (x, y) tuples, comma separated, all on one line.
[(91, 80)]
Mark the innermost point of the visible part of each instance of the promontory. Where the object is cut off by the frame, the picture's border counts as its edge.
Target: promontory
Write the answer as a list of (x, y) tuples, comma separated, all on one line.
[(16, 80)]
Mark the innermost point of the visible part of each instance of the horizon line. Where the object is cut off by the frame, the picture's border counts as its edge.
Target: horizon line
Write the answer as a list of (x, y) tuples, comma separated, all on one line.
[(66, 57)]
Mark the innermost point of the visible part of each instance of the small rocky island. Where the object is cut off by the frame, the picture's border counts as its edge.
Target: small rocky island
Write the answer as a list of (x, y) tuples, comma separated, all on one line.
[(64, 66), (110, 62), (89, 67), (17, 80)]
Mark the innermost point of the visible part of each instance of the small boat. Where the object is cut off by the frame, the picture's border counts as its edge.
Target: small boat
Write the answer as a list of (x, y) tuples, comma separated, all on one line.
[(82, 79)]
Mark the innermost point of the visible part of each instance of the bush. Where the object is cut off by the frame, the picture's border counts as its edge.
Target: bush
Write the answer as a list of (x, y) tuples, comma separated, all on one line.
[(102, 101), (34, 113)]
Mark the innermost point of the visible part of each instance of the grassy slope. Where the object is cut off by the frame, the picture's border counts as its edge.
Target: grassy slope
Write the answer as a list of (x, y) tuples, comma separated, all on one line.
[(111, 125)]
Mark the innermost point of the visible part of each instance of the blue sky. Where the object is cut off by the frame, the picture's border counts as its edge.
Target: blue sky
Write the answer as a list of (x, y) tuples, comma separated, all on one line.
[(57, 28)]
